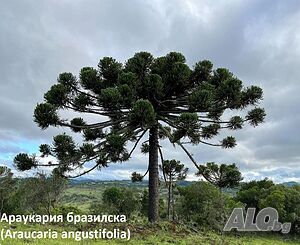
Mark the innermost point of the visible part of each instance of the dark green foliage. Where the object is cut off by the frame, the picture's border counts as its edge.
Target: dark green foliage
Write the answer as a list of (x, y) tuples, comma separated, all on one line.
[(250, 193), (205, 205), (220, 75), (235, 122), (45, 150), (67, 79), (264, 193), (57, 95), (164, 132), (115, 148), (202, 72), (139, 64), (63, 147), (136, 177), (109, 70), (201, 98), (45, 115), (24, 162), (275, 198), (144, 203), (127, 95), (82, 101), (87, 150), (251, 94), (210, 130), (145, 148), (142, 114), (228, 142), (77, 124), (188, 126), (92, 134), (110, 98), (256, 116), (230, 92), (89, 79), (223, 176), (120, 200), (292, 207), (174, 170)]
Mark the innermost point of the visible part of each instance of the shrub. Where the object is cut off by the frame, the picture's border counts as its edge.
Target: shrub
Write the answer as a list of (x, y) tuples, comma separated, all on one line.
[(251, 193), (205, 205), (117, 201)]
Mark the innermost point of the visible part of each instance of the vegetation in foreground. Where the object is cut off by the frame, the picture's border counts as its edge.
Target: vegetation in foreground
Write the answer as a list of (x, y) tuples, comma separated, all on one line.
[(200, 210), (162, 233)]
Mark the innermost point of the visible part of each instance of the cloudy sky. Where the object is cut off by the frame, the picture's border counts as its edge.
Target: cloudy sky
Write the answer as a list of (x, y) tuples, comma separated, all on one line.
[(258, 40)]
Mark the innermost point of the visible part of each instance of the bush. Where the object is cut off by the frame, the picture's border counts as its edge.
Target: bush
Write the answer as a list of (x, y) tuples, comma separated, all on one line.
[(251, 193), (205, 205), (117, 201)]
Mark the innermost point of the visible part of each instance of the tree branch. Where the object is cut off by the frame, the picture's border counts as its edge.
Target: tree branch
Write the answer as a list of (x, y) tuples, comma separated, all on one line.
[(162, 162), (136, 143)]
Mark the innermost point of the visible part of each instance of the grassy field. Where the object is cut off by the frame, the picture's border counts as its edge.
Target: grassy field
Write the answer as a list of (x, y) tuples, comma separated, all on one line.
[(82, 195), (164, 233)]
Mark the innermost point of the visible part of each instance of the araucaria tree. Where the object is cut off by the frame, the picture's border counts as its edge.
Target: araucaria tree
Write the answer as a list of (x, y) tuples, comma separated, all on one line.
[(173, 171), (223, 176), (162, 96)]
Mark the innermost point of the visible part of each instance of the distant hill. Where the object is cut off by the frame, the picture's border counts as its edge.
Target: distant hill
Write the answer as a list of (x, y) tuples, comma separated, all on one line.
[(120, 182), (82, 180), (144, 183), (290, 183)]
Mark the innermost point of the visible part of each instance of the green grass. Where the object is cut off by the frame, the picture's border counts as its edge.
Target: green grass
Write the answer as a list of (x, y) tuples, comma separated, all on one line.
[(163, 233)]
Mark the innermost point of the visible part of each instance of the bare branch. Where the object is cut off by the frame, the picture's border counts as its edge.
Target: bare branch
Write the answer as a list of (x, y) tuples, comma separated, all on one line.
[(136, 143), (162, 162), (85, 172), (146, 172)]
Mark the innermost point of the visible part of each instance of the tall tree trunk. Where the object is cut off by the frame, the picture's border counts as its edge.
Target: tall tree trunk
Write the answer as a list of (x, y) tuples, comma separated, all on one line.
[(153, 175), (169, 200), (173, 203)]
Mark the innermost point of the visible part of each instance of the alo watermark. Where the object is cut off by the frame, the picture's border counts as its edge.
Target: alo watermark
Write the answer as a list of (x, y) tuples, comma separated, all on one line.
[(266, 220)]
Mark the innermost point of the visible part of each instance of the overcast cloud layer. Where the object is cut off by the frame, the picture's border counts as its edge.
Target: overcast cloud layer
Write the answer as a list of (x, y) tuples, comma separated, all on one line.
[(259, 41)]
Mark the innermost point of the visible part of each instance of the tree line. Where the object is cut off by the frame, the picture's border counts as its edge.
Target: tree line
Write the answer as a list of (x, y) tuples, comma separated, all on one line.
[(200, 204)]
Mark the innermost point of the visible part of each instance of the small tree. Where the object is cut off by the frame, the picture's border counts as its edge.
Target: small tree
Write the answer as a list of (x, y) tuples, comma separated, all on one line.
[(6, 186), (42, 192), (252, 192), (162, 96), (205, 205), (173, 171), (119, 200), (221, 176)]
